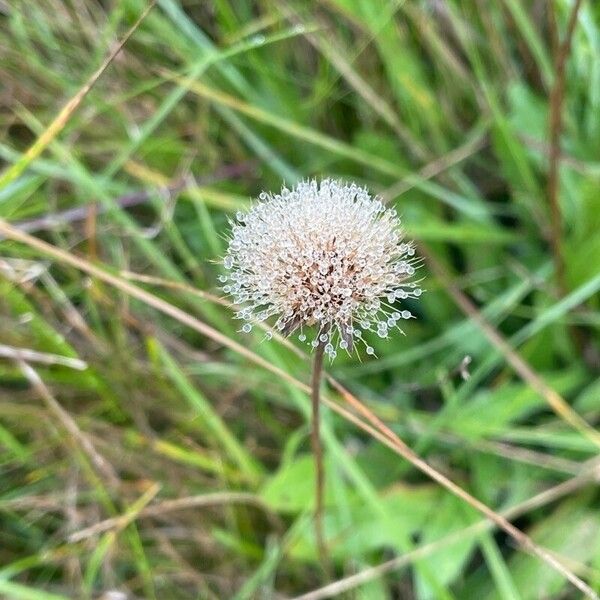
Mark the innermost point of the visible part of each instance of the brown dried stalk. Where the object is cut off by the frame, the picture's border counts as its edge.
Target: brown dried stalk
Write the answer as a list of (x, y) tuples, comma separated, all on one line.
[(557, 95), (315, 386)]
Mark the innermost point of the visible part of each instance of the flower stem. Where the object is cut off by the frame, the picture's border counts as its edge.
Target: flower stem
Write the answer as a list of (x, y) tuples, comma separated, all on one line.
[(315, 385)]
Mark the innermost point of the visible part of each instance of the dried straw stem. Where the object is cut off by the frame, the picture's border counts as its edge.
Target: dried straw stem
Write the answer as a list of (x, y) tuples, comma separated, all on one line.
[(556, 103), (315, 386)]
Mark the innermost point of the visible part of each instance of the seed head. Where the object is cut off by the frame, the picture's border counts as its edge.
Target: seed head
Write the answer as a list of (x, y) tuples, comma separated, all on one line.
[(323, 257)]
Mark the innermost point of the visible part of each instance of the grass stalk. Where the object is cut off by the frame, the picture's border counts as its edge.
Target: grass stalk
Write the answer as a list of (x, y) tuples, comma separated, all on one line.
[(557, 95), (315, 387)]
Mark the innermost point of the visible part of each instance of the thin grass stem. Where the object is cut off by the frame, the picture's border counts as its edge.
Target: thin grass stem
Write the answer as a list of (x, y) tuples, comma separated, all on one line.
[(315, 386)]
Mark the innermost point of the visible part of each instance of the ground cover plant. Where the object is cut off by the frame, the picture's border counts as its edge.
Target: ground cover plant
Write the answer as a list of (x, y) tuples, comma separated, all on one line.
[(150, 448)]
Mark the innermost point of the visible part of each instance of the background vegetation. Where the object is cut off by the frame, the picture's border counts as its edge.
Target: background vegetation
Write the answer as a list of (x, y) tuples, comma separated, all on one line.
[(196, 453)]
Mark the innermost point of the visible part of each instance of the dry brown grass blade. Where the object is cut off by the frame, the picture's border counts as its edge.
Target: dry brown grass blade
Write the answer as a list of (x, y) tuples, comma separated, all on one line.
[(377, 429), (169, 187), (168, 506), (69, 424), (435, 167), (61, 120), (333, 590), (41, 357), (134, 510), (521, 367)]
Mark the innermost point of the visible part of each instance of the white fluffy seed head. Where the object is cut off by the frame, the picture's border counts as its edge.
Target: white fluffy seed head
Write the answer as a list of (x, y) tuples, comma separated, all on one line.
[(324, 256)]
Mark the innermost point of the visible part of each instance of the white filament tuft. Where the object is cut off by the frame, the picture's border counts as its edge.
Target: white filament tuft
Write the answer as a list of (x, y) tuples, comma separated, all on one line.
[(325, 255)]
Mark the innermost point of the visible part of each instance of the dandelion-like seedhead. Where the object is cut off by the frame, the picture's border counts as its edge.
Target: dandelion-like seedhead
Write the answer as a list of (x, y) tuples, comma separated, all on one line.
[(325, 260)]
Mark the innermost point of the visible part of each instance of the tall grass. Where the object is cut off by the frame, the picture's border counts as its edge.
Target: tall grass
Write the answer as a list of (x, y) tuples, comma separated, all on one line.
[(147, 446)]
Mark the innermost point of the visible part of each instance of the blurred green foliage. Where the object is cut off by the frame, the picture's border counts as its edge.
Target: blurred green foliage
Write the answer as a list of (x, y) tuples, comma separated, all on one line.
[(441, 107)]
